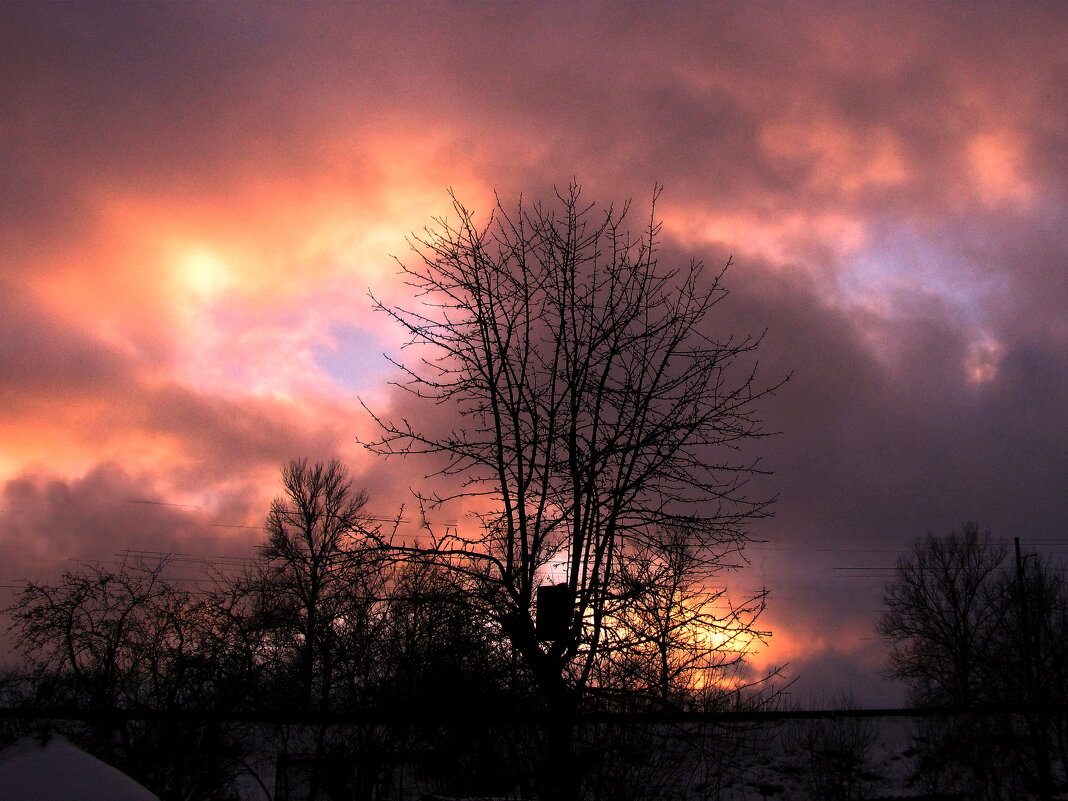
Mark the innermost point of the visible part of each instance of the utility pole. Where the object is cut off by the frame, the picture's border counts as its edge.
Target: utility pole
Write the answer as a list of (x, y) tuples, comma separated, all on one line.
[(1035, 715)]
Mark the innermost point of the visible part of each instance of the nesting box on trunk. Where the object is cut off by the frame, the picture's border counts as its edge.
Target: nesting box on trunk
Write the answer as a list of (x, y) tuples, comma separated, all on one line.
[(555, 608)]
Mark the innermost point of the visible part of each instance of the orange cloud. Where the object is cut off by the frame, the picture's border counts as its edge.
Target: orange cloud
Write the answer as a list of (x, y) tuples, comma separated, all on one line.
[(995, 161), (835, 157)]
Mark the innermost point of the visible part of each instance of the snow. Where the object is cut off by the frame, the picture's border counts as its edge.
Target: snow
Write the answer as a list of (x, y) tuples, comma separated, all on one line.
[(51, 768)]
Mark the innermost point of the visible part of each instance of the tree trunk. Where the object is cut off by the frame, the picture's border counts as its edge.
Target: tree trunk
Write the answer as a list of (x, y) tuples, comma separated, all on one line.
[(560, 778)]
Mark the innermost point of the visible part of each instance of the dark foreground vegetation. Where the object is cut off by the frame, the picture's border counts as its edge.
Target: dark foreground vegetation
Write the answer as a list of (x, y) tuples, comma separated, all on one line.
[(361, 674), (324, 667)]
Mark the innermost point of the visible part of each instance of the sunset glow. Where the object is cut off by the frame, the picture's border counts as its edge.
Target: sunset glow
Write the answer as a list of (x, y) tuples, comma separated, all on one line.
[(198, 200)]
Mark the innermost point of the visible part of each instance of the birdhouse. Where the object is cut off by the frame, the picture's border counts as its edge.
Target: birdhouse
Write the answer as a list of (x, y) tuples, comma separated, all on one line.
[(554, 611)]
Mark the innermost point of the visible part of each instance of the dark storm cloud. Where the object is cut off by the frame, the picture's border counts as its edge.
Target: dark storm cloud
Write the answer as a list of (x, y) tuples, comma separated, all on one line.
[(48, 521), (680, 93), (868, 449), (873, 456)]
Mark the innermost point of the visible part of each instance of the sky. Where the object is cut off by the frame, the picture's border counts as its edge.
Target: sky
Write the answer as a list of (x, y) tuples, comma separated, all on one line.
[(196, 200)]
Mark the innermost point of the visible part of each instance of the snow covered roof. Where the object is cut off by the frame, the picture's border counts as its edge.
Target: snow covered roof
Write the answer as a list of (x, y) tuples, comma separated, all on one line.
[(52, 768)]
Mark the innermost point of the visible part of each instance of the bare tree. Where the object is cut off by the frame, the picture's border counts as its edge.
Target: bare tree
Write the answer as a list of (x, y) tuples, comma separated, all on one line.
[(596, 411), (944, 609), (1030, 654), (319, 582), (681, 642), (437, 656), (130, 637), (107, 636), (971, 629), (309, 617)]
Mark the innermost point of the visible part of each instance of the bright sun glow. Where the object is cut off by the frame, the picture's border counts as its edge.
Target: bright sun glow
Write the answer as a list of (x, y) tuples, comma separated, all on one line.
[(204, 272)]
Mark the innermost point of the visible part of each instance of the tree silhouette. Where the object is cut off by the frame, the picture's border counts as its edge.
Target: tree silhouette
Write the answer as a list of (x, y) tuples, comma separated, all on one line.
[(318, 577), (969, 628), (130, 636), (318, 589), (680, 643), (599, 421), (944, 609)]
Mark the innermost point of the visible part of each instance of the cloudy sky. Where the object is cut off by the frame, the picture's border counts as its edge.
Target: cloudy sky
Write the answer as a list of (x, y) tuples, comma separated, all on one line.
[(196, 199)]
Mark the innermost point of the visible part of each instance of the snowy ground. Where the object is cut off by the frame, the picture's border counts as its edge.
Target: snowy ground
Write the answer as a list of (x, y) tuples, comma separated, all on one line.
[(795, 759), (52, 768)]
